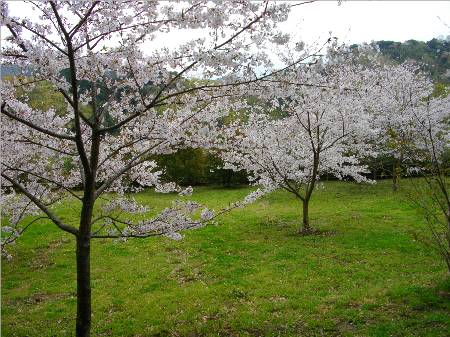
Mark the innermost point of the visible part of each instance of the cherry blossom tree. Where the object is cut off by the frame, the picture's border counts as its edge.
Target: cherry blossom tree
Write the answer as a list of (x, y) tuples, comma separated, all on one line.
[(414, 130), (321, 126), (128, 99), (400, 89)]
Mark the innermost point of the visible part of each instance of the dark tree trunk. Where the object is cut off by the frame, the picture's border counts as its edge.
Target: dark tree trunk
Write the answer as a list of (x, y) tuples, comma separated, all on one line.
[(395, 176), (397, 173), (89, 163), (447, 253), (305, 227), (84, 311), (83, 324), (394, 180), (448, 224)]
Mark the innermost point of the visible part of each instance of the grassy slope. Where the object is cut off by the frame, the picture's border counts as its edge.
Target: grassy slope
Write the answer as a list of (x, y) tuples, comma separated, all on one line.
[(250, 276)]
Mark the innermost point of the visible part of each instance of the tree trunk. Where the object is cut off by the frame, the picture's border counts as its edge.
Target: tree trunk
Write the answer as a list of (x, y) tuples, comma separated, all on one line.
[(305, 227), (89, 162), (447, 252), (448, 225), (394, 181), (84, 310), (83, 324), (395, 176)]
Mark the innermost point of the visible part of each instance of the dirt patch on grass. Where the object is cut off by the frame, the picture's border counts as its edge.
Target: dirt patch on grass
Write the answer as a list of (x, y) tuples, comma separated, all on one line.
[(42, 259), (316, 232), (40, 298)]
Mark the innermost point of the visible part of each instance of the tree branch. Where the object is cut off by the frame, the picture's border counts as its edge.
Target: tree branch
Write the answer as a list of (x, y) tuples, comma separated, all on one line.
[(41, 206), (73, 31), (33, 126)]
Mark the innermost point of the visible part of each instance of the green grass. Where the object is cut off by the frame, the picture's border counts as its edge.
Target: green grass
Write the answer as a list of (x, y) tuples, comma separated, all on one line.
[(249, 276)]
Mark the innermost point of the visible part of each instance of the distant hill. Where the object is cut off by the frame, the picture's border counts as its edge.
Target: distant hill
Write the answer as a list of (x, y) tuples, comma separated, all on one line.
[(435, 54), (13, 70)]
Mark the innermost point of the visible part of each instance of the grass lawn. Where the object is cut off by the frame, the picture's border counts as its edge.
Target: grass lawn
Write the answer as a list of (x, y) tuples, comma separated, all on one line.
[(249, 276)]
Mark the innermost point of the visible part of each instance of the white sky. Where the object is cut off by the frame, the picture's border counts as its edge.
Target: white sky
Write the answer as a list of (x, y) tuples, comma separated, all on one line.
[(351, 22), (364, 21)]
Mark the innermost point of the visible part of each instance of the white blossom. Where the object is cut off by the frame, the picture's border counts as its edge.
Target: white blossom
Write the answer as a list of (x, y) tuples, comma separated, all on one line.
[(186, 192), (206, 214)]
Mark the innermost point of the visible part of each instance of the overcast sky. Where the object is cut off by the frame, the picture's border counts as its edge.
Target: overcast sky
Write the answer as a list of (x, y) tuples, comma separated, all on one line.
[(353, 21), (364, 21)]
